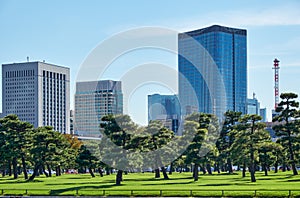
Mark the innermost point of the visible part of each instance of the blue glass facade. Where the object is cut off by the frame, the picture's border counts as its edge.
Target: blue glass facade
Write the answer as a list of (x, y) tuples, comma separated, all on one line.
[(165, 108), (224, 47)]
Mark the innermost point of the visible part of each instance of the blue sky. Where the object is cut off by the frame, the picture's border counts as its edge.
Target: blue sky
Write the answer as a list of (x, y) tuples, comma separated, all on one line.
[(65, 32)]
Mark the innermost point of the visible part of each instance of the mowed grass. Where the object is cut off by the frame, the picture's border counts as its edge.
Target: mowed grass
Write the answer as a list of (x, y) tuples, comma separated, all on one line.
[(144, 184)]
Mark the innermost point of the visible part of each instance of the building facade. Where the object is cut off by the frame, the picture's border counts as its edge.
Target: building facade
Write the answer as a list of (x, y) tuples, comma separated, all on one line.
[(37, 92), (165, 108), (253, 106), (93, 100), (200, 50), (263, 114)]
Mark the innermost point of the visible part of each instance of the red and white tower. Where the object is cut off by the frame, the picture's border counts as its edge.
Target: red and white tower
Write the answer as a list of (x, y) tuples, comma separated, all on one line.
[(276, 81)]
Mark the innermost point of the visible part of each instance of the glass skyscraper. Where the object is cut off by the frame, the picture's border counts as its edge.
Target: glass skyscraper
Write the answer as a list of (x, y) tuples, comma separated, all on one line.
[(166, 109), (203, 88)]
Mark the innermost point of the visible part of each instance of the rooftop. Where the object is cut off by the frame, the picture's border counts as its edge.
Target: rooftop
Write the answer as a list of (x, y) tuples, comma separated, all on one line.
[(32, 62), (213, 28)]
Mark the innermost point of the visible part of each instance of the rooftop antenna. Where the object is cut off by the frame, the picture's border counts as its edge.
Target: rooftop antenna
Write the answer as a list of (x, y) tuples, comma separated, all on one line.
[(27, 58)]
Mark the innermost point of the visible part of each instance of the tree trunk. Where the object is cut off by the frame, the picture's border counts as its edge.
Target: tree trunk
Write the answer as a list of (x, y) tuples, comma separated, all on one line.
[(203, 169), (222, 168), (252, 173), (24, 168), (119, 177), (15, 167), (3, 171), (57, 171), (229, 166), (100, 172), (164, 171), (171, 168), (49, 170), (244, 170), (292, 157), (196, 172), (294, 168), (41, 170), (107, 171), (44, 171), (276, 167), (266, 170), (208, 167), (91, 172), (157, 173), (217, 167), (9, 168), (35, 172), (283, 166)]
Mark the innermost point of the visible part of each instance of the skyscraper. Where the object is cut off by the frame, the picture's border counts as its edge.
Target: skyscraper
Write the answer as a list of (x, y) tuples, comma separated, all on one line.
[(37, 92), (201, 50), (93, 100), (166, 109)]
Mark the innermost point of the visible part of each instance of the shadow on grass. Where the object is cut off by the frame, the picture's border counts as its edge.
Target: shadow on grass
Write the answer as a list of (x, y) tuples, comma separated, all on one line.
[(216, 185), (264, 179), (99, 182), (293, 180), (73, 189), (158, 179), (169, 183), (20, 182)]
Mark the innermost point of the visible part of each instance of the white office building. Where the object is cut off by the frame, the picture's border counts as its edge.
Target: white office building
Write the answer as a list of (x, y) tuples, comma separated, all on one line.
[(37, 92)]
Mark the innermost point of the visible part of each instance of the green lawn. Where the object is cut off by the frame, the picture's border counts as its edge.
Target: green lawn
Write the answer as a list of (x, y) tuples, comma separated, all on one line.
[(144, 184)]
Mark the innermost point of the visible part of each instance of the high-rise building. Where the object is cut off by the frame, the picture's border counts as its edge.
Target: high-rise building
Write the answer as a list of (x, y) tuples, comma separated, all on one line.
[(263, 114), (166, 109), (199, 51), (71, 122), (37, 92), (253, 106), (93, 100)]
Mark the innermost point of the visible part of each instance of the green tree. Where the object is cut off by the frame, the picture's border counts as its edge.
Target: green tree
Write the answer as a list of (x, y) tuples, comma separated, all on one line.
[(226, 138), (249, 134), (85, 159), (158, 136), (198, 124), (49, 148), (267, 154), (118, 129), (289, 125), (17, 137)]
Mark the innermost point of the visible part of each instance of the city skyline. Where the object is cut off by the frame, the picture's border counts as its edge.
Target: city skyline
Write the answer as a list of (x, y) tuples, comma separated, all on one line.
[(72, 29)]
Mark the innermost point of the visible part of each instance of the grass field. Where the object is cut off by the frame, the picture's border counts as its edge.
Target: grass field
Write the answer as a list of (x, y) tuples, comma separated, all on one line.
[(144, 184)]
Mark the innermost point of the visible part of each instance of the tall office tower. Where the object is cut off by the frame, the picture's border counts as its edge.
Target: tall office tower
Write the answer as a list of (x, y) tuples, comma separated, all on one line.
[(166, 109), (37, 92), (93, 100), (200, 51)]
